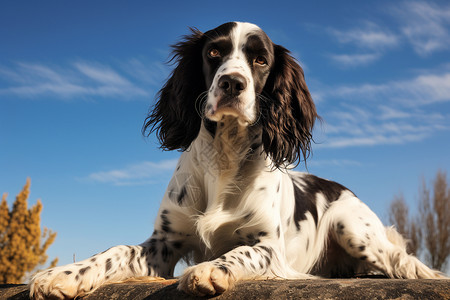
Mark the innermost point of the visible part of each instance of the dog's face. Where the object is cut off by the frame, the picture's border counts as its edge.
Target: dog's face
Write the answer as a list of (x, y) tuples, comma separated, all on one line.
[(237, 59), (235, 70)]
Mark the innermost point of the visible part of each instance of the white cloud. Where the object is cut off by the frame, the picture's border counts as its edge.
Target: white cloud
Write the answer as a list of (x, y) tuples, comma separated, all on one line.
[(80, 79), (394, 112), (373, 128), (425, 25), (146, 172), (369, 36), (417, 91), (351, 60), (370, 41), (152, 73), (389, 113)]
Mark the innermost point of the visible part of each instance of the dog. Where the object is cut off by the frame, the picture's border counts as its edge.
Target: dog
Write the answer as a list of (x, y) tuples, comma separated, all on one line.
[(238, 108)]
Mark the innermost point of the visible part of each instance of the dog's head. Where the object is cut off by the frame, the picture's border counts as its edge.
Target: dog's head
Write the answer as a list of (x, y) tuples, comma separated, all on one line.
[(235, 70)]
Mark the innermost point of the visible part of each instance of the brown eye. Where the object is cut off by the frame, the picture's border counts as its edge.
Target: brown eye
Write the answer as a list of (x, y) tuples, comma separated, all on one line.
[(214, 53), (261, 60)]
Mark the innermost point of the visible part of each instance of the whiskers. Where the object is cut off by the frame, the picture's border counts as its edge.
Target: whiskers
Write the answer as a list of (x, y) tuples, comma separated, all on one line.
[(200, 104), (261, 106)]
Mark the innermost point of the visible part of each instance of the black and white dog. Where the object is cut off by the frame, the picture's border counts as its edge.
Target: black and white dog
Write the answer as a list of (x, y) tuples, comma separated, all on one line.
[(239, 108)]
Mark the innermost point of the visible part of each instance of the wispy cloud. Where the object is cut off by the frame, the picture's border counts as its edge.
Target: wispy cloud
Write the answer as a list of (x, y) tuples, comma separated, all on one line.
[(368, 42), (368, 36), (425, 25), (146, 172), (420, 90), (352, 60), (394, 112), (77, 80), (374, 129)]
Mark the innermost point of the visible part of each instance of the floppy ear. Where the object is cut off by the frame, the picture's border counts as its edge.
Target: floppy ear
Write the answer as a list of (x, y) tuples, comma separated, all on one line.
[(288, 111), (174, 117)]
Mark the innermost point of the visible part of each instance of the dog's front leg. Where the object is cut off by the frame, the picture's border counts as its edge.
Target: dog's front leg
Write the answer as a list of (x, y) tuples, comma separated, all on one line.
[(155, 257), (219, 275)]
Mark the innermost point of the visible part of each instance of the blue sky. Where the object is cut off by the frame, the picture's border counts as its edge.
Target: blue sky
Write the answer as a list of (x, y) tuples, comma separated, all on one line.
[(77, 79)]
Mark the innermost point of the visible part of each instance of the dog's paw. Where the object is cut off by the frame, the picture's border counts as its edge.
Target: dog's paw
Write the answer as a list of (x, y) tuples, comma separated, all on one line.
[(206, 279), (64, 282)]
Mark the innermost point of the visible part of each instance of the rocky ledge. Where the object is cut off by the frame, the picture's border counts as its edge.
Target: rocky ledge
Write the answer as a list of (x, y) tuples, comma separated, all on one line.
[(270, 289)]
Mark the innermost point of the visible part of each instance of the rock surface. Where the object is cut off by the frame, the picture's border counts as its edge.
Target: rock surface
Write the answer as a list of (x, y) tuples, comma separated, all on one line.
[(271, 289)]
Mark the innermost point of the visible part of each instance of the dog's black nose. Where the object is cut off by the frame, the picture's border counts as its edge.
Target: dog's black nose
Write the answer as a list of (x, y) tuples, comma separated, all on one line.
[(232, 84)]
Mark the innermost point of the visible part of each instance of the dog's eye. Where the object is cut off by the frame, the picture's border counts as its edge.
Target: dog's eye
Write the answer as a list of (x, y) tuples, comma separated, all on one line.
[(214, 53), (260, 60)]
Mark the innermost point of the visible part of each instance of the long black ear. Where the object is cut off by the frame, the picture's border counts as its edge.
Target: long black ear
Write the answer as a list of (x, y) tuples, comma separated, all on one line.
[(174, 116), (288, 111)]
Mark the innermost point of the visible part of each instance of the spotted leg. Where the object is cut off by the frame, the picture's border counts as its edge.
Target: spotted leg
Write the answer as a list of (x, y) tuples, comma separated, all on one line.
[(244, 262), (362, 235), (155, 257)]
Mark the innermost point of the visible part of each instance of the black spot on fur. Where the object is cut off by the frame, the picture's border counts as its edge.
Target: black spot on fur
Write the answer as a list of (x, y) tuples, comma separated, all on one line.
[(132, 254), (165, 226), (267, 249), (93, 259), (108, 265), (153, 250), (224, 269), (249, 215), (181, 195), (278, 231), (262, 233), (67, 272), (165, 253), (340, 228), (362, 248), (177, 244), (84, 270), (248, 254), (305, 200), (252, 240)]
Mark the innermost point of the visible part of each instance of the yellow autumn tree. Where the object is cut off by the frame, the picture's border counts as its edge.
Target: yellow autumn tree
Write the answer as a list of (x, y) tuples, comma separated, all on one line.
[(23, 245)]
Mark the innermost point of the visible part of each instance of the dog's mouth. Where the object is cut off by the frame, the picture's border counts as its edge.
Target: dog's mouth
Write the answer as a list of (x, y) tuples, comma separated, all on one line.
[(225, 107)]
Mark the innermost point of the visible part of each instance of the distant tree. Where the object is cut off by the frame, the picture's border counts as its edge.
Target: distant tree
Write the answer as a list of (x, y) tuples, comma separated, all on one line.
[(22, 244), (399, 216), (434, 211), (428, 233)]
